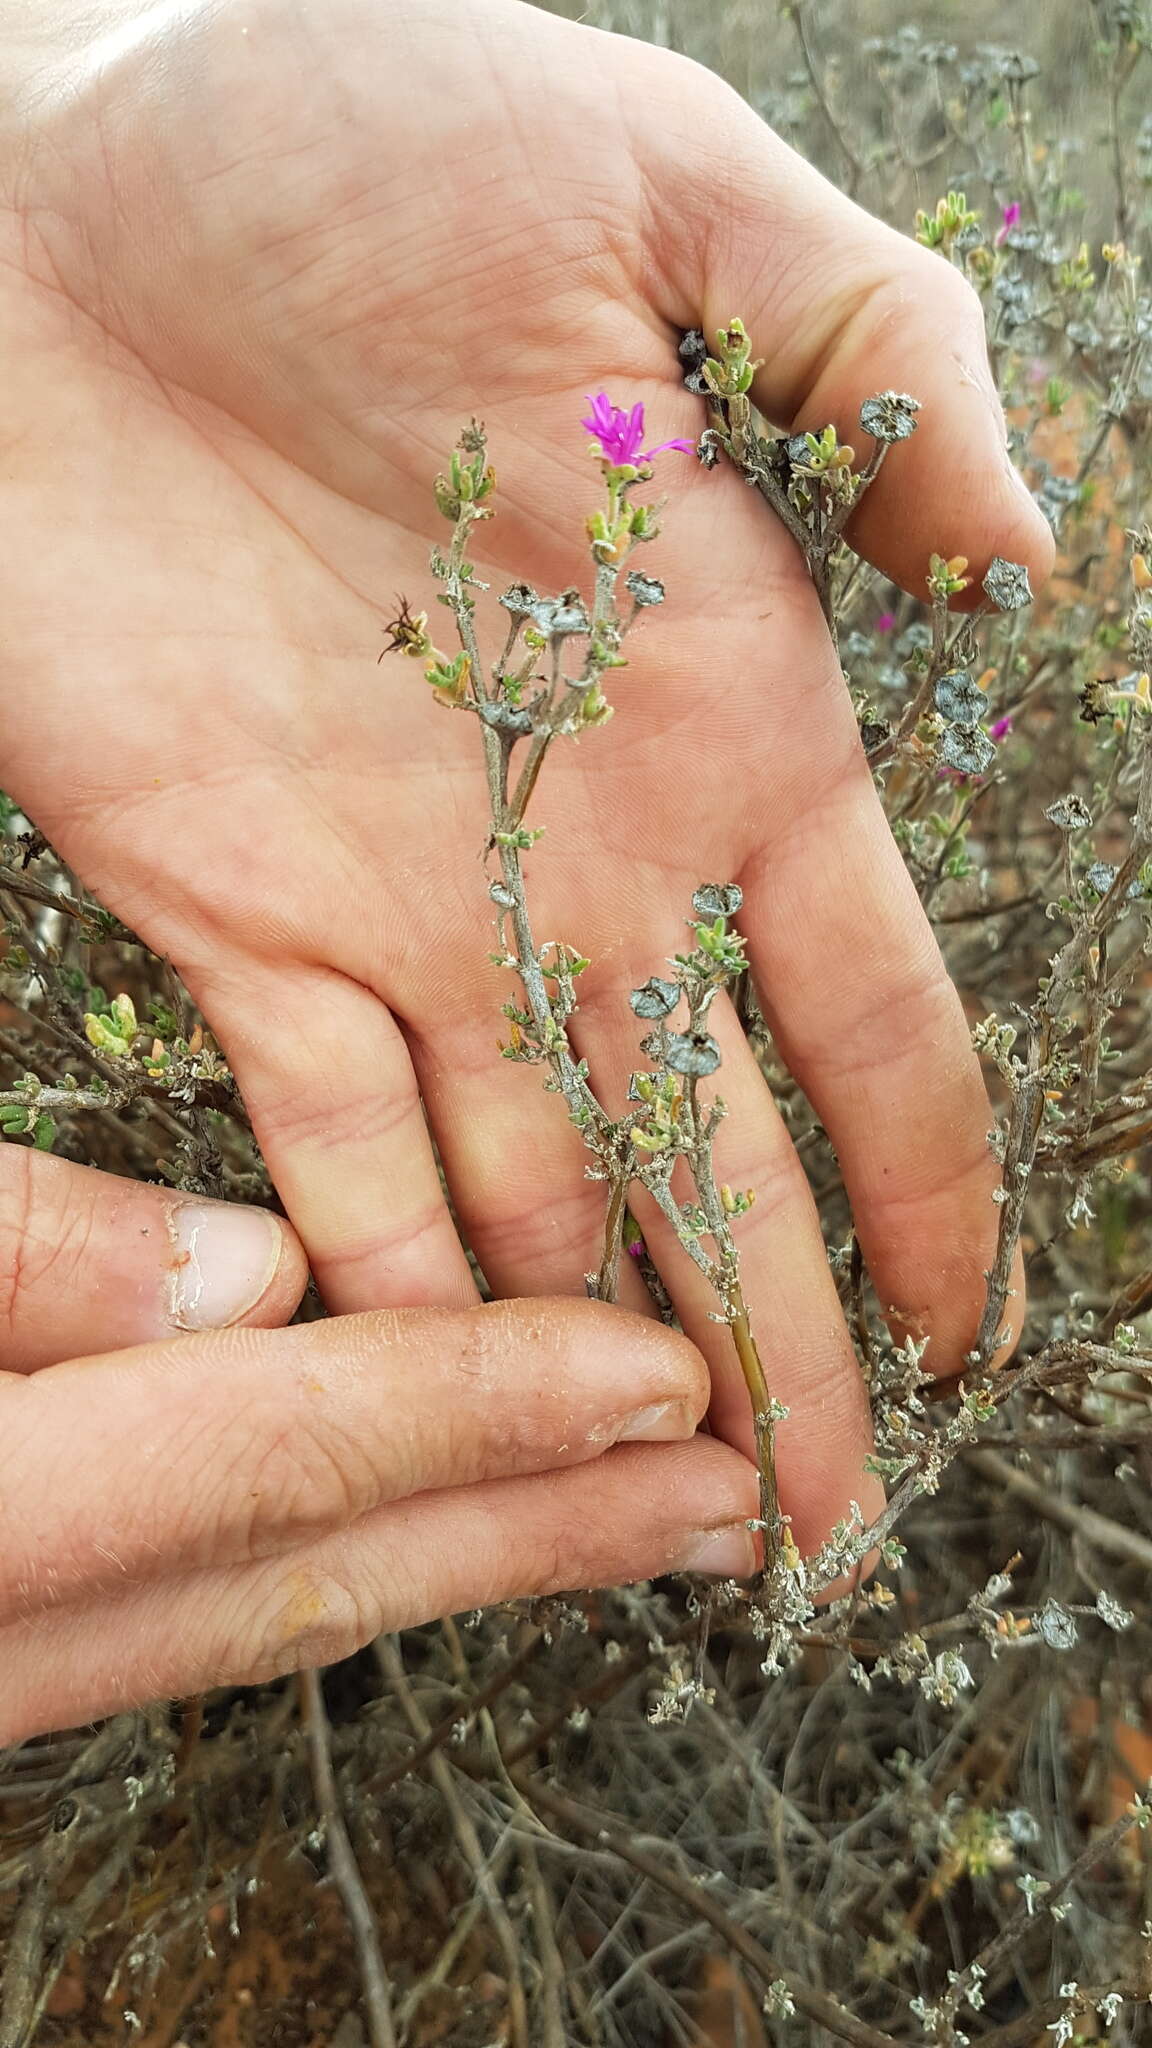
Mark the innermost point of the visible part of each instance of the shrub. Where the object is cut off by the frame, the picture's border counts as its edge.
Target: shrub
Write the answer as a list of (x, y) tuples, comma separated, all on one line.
[(917, 1814)]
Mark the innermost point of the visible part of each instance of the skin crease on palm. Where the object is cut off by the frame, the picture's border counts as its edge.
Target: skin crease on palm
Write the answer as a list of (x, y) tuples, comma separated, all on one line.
[(259, 261)]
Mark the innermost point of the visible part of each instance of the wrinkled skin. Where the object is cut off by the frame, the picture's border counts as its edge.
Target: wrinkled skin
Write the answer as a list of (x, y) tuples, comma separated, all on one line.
[(260, 261)]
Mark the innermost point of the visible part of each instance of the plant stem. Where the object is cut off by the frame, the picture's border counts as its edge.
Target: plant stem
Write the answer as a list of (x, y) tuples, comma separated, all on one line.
[(751, 1365), (342, 1863), (608, 1278)]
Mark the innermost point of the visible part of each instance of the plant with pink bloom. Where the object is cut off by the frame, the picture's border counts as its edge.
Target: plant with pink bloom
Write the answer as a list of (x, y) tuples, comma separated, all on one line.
[(1010, 219), (620, 433)]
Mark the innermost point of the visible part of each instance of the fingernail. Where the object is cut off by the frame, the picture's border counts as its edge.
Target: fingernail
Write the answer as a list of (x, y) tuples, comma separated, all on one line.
[(730, 1552), (223, 1261), (663, 1422)]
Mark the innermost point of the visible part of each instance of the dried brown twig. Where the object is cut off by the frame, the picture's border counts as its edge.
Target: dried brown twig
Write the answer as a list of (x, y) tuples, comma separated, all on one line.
[(343, 1865)]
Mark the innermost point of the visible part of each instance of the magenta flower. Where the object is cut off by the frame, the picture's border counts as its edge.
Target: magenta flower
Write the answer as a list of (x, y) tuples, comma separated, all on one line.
[(637, 1248), (886, 622), (1011, 216), (1002, 727), (620, 433)]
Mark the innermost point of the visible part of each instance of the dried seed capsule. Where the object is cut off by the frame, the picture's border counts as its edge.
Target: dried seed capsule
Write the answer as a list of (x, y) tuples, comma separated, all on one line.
[(1006, 583), (519, 599), (645, 589), (693, 1055), (967, 749), (717, 899), (890, 416), (1057, 1626), (1070, 813), (656, 998), (506, 717), (557, 617), (959, 698)]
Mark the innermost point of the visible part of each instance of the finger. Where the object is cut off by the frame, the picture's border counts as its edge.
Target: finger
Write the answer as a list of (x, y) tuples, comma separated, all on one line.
[(876, 1036), (517, 1168), (793, 1306), (329, 1085), (628, 1515), (849, 973), (251, 1441), (840, 306), (89, 1262)]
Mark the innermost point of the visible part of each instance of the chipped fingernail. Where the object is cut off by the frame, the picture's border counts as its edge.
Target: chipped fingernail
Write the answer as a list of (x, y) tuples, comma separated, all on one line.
[(224, 1259), (663, 1422), (729, 1552)]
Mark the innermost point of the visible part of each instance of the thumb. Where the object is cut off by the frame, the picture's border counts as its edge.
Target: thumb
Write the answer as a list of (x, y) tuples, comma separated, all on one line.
[(840, 307), (91, 1263)]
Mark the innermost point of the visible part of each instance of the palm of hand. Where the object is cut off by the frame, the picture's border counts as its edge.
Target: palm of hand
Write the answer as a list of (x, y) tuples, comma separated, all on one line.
[(260, 358)]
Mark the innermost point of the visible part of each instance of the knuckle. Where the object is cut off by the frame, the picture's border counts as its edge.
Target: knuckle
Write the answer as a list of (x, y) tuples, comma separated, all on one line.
[(901, 1018), (517, 1435), (307, 1476), (314, 1476), (569, 1546), (839, 782), (952, 305), (304, 1120), (779, 1183), (408, 1241), (44, 1233), (835, 788), (15, 1207), (561, 1232), (305, 1617), (577, 1553), (543, 1568)]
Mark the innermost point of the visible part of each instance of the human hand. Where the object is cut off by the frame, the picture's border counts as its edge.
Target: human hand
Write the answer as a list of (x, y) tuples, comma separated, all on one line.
[(260, 262), (220, 1507)]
